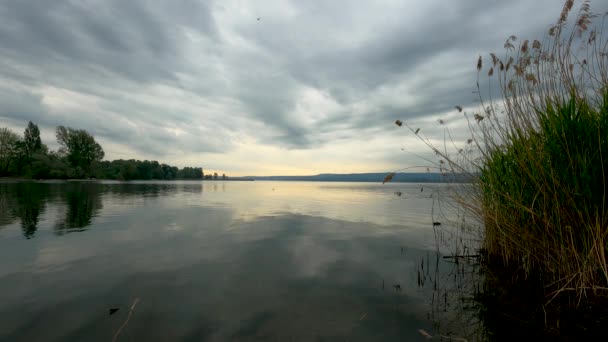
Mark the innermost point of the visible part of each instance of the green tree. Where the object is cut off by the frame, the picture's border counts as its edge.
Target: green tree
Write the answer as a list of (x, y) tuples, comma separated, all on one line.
[(8, 150), (190, 173), (157, 172), (33, 154), (169, 172), (31, 140), (144, 170), (80, 148)]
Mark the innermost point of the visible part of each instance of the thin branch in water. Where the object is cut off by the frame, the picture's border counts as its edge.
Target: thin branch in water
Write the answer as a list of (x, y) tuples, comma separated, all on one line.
[(127, 320)]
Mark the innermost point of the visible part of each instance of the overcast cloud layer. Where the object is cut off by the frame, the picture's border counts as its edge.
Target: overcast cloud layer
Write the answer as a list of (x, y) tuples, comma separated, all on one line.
[(256, 87)]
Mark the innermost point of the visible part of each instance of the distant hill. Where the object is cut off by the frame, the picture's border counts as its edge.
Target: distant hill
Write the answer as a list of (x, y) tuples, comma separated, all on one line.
[(369, 177)]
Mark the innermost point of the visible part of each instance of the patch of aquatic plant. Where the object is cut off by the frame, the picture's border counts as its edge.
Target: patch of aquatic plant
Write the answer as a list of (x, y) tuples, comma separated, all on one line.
[(538, 157)]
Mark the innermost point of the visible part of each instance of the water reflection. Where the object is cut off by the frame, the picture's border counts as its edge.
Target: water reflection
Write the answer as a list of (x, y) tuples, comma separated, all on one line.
[(77, 203), (454, 308), (7, 205), (291, 270), (139, 189), (24, 202), (30, 204), (83, 202), (284, 278)]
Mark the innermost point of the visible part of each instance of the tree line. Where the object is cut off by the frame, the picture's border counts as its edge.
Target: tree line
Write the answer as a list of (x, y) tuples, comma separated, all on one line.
[(79, 156)]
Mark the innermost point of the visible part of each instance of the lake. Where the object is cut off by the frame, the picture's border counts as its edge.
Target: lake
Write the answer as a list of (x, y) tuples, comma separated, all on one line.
[(226, 261)]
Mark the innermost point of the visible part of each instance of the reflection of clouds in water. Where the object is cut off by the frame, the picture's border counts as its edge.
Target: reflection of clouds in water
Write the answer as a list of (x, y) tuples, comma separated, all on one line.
[(311, 257), (57, 257), (353, 202), (174, 227), (275, 276), (294, 276)]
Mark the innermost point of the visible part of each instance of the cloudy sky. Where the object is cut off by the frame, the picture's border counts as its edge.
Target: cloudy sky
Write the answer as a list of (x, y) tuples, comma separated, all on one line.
[(259, 87)]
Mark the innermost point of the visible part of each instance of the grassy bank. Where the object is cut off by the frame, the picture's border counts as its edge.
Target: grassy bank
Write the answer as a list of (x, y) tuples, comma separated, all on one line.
[(539, 153), (543, 151)]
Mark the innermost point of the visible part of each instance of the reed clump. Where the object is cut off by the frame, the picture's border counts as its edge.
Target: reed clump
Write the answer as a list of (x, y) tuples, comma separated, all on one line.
[(539, 155), (543, 155)]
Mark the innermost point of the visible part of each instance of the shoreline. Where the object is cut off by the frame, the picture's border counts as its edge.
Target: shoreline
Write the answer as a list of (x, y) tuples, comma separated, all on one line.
[(58, 180)]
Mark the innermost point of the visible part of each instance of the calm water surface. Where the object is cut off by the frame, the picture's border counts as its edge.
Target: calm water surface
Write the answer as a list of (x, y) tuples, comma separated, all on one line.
[(220, 261)]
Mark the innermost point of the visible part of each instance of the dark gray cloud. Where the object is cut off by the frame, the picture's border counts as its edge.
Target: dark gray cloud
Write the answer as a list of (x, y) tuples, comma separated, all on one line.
[(129, 38), (167, 78), (349, 72)]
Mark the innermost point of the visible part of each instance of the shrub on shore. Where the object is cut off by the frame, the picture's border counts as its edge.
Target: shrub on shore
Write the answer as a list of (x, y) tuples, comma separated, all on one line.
[(544, 155), (541, 155)]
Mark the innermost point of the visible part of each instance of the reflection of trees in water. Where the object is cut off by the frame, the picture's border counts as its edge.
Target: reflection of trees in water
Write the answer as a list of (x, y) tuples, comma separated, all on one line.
[(480, 299), (27, 201), (454, 278), (7, 204), (214, 187), (83, 202), (190, 188), (151, 189), (455, 282), (23, 201), (29, 210), (133, 189)]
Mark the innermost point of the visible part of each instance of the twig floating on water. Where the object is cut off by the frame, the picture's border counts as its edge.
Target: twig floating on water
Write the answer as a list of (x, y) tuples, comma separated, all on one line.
[(127, 320), (429, 336), (425, 334)]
